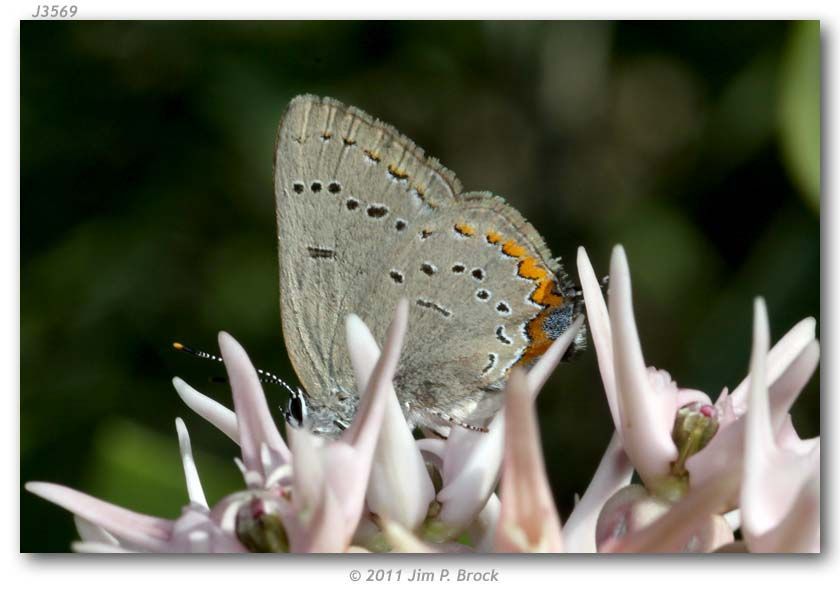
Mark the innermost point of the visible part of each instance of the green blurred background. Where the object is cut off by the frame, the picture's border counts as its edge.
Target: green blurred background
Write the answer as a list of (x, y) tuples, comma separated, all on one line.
[(147, 209)]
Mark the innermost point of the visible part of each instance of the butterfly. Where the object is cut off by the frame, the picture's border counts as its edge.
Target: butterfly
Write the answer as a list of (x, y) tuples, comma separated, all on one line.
[(365, 218)]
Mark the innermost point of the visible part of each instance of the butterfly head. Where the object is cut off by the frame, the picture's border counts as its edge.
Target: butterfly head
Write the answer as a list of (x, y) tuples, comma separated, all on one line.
[(320, 418)]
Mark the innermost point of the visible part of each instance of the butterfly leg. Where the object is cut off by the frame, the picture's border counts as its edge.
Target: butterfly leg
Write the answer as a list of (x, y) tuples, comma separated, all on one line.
[(453, 421)]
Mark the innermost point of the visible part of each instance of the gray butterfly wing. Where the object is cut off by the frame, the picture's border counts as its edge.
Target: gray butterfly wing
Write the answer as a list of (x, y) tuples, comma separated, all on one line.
[(485, 296), (347, 187)]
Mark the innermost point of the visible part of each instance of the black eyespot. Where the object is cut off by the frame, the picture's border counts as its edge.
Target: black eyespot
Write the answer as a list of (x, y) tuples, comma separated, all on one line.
[(316, 186), (298, 188), (458, 268), (400, 225), (352, 204), (377, 211), (428, 268), (503, 308), (334, 187), (478, 274), (482, 294)]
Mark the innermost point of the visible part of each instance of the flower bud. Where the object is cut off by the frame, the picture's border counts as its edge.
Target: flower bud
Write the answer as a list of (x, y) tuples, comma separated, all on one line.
[(694, 426)]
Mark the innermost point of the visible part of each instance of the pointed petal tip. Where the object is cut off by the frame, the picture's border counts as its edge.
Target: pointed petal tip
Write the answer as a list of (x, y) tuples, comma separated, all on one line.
[(227, 342), (356, 329), (36, 487), (583, 262), (52, 492), (808, 323), (618, 261), (183, 389), (761, 328)]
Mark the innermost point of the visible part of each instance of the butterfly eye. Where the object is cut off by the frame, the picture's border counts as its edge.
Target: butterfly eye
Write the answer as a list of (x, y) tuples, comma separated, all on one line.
[(296, 411)]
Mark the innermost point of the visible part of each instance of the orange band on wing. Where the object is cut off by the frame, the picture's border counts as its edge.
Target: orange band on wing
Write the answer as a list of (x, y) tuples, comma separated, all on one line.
[(545, 294)]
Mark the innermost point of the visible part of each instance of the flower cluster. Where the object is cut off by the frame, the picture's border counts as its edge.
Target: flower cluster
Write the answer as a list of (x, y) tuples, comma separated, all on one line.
[(705, 469)]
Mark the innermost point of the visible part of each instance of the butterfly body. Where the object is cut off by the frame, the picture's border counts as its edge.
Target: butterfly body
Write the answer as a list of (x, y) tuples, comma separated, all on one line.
[(365, 218)]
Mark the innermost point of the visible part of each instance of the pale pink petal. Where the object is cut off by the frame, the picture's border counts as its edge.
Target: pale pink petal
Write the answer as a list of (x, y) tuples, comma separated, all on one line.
[(326, 529), (528, 521), (482, 530), (347, 478), (320, 523), (724, 453), (373, 375), (546, 364), (647, 417), (799, 529), (194, 489), (614, 472), (399, 488), (256, 426), (780, 357), (143, 531), (598, 319), (471, 464), (195, 532), (93, 533), (687, 396), (789, 384), (789, 440), (349, 471), (308, 473), (692, 524), (219, 416), (715, 533), (773, 479), (97, 548), (625, 513)]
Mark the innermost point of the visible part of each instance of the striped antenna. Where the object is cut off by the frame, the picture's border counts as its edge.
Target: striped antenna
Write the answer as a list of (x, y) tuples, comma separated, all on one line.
[(264, 376)]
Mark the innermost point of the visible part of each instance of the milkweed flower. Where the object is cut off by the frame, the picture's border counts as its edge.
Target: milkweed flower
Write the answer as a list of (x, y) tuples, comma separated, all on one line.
[(705, 469), (307, 498), (104, 527), (780, 494), (688, 452)]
